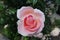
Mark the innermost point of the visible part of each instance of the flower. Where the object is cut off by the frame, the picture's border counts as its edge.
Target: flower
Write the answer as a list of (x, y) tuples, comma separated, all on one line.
[(31, 21), (55, 32)]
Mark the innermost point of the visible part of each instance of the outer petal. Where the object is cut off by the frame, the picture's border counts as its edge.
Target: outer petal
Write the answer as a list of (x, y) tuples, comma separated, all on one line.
[(18, 13), (40, 14), (24, 11), (38, 33), (22, 30), (41, 28)]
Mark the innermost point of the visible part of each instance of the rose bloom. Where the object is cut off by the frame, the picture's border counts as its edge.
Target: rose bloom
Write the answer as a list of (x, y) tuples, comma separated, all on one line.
[(31, 21)]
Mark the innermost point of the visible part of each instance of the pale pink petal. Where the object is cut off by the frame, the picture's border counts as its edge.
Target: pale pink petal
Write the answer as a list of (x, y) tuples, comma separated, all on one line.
[(22, 30), (24, 11), (40, 13), (18, 13), (41, 28)]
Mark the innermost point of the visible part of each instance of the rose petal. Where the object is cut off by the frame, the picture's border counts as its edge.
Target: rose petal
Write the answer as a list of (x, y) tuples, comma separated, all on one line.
[(39, 14), (22, 30), (24, 11), (18, 13), (41, 28)]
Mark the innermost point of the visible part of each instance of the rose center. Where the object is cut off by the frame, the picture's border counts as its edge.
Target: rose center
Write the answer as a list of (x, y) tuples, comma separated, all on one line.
[(29, 22)]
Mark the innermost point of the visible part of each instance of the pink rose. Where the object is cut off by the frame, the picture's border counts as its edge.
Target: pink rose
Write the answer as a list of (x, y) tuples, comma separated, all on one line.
[(31, 21)]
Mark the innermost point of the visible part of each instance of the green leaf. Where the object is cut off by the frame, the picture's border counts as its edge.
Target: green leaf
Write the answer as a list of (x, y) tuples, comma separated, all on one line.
[(17, 38), (1, 6), (32, 1), (57, 22), (11, 11), (25, 38), (1, 20), (58, 2)]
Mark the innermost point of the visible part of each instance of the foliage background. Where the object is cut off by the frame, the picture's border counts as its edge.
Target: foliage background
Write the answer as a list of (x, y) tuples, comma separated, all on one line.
[(8, 16)]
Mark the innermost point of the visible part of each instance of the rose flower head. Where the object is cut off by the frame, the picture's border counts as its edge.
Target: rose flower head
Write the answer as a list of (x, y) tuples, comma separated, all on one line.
[(31, 21)]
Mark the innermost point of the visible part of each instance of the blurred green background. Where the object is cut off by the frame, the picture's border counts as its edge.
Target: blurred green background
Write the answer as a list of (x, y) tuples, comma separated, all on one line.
[(8, 18)]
